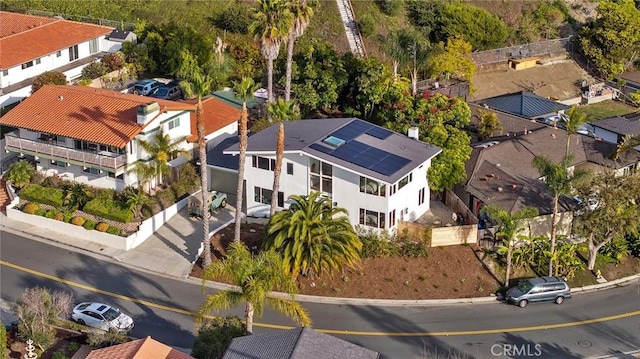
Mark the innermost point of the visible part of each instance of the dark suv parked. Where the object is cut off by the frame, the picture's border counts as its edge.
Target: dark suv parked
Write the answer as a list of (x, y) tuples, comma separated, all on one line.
[(551, 289), (168, 93)]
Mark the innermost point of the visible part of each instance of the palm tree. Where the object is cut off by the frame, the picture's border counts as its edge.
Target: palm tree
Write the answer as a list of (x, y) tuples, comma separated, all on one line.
[(76, 196), (280, 111), (20, 173), (243, 90), (163, 149), (199, 84), (313, 236), (559, 180), (488, 124), (628, 143), (255, 277), (301, 10), (574, 120), (135, 201), (272, 20), (145, 173), (510, 225)]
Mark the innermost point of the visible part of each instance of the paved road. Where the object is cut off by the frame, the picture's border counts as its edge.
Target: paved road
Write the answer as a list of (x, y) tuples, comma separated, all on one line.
[(161, 307)]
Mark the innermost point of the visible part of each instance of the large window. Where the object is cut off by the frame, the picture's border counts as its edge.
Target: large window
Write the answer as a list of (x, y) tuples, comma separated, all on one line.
[(93, 171), (27, 65), (321, 176), (373, 187), (371, 218), (405, 181), (93, 46), (73, 53), (174, 123), (263, 195), (264, 163)]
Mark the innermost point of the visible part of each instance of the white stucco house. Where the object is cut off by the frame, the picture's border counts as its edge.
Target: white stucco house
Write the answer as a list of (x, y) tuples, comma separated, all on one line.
[(377, 175), (91, 135), (31, 45)]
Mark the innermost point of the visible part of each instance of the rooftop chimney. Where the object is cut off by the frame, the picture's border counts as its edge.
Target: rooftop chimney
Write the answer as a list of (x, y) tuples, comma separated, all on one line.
[(147, 112), (414, 132)]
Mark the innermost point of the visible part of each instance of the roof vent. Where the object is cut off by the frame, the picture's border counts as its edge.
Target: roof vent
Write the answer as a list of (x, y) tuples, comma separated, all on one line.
[(413, 132), (60, 98)]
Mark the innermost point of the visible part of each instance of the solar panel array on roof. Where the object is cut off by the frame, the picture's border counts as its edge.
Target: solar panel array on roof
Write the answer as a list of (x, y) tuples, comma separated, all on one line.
[(365, 156), (352, 130), (378, 132)]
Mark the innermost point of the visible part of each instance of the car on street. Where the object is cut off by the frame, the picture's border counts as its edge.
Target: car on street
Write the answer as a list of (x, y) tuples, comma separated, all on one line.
[(101, 316), (541, 289), (168, 93), (145, 87)]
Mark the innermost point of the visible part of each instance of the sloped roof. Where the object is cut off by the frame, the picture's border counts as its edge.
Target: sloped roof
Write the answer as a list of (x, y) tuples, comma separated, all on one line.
[(84, 113), (619, 125), (217, 114), (630, 76), (524, 104), (147, 348), (230, 98), (298, 343), (511, 124), (509, 163), (24, 37), (401, 153)]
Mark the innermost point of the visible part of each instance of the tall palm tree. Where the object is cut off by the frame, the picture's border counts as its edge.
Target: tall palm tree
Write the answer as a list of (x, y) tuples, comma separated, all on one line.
[(301, 10), (243, 90), (280, 111), (489, 124), (255, 277), (313, 236), (510, 224), (161, 150), (559, 180), (199, 84), (574, 120), (272, 20)]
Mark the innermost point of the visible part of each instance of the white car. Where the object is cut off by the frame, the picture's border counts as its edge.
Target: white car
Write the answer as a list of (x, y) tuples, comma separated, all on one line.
[(101, 316)]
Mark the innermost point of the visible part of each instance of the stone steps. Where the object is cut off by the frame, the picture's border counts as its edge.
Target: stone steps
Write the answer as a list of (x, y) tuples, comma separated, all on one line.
[(4, 196)]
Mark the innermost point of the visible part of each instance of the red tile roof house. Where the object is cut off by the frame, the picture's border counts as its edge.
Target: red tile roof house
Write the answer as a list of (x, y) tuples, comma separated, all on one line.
[(146, 348), (31, 45)]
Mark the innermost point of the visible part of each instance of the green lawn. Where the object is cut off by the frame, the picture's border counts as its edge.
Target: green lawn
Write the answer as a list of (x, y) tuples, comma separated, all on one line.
[(607, 109)]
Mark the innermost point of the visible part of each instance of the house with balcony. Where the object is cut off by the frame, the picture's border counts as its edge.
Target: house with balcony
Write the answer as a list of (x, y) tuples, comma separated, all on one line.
[(90, 135), (32, 45), (377, 175)]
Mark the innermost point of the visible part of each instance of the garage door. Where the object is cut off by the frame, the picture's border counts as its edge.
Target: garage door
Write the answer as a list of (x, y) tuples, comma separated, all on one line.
[(223, 181)]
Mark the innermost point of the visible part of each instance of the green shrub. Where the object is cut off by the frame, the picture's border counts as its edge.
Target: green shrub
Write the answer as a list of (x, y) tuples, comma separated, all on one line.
[(66, 216), (59, 216), (110, 209), (89, 225), (105, 193), (3, 341), (113, 61), (102, 227), (94, 70), (409, 248), (213, 338), (377, 245), (44, 195), (390, 7), (367, 25), (53, 181), (59, 355), (51, 214), (77, 221), (165, 197), (113, 230), (236, 18), (30, 208), (41, 212)]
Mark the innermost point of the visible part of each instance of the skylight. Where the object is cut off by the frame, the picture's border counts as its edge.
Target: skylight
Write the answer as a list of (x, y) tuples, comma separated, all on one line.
[(334, 141)]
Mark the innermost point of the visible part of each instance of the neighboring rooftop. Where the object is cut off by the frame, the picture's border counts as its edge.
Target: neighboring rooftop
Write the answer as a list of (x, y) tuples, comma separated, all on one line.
[(511, 124), (630, 76), (147, 348), (524, 104), (217, 114), (297, 343), (25, 37), (620, 125), (230, 98), (122, 35), (351, 143), (84, 113)]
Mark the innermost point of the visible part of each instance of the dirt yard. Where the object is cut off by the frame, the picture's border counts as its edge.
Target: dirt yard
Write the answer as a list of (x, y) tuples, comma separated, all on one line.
[(558, 78)]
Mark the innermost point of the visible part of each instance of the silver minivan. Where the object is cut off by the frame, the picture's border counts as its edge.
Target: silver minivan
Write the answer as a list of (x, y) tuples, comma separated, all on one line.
[(541, 289)]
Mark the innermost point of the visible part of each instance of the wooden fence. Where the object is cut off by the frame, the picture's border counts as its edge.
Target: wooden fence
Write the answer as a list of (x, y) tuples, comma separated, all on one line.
[(439, 236)]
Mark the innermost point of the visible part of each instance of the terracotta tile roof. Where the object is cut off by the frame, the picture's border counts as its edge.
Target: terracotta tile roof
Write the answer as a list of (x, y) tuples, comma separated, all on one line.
[(217, 113), (84, 113), (24, 37), (146, 348)]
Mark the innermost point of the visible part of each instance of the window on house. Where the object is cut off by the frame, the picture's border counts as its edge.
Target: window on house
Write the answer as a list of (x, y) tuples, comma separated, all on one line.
[(374, 187), (421, 196), (392, 218), (321, 176), (5, 72), (174, 123), (264, 163), (73, 53), (372, 218), (93, 171), (405, 181), (61, 140), (27, 65), (113, 175), (93, 46), (38, 61), (58, 163), (59, 53), (392, 190), (289, 168), (263, 195)]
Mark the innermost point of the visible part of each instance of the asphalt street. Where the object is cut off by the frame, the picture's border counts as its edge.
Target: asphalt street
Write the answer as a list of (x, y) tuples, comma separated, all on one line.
[(588, 325)]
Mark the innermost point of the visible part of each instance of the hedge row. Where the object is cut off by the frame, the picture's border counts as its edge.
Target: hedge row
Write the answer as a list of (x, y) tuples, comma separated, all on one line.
[(108, 208), (34, 208), (44, 195)]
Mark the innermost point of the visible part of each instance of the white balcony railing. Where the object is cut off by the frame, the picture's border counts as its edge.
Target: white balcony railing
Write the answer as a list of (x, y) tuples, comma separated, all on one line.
[(103, 159)]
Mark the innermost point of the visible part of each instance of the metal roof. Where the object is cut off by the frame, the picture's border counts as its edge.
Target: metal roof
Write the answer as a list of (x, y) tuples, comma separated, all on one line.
[(524, 104)]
